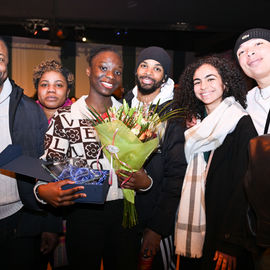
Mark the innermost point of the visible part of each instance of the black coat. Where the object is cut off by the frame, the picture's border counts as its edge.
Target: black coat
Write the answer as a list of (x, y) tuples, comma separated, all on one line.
[(226, 203), (167, 165), (28, 125), (257, 182)]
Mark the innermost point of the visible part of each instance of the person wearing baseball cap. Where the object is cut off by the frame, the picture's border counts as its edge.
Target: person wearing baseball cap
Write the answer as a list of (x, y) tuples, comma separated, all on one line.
[(252, 50), (157, 205)]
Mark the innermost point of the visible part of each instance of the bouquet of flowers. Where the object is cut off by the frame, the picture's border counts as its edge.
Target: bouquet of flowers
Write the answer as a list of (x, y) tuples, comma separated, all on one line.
[(128, 136)]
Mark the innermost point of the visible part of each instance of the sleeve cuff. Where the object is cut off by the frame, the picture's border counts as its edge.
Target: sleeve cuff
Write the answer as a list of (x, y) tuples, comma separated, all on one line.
[(151, 184), (36, 192)]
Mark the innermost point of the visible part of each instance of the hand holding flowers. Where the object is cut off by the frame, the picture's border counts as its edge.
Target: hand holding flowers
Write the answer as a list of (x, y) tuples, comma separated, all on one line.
[(138, 180), (128, 137)]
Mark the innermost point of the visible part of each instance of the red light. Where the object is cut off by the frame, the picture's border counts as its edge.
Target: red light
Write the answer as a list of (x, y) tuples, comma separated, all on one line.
[(60, 33), (201, 27)]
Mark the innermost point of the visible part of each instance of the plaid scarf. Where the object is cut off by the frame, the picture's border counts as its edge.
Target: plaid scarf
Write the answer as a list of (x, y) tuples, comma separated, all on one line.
[(203, 137)]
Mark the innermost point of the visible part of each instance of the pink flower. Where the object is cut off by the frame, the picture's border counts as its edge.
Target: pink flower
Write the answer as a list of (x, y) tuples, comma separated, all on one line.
[(104, 116)]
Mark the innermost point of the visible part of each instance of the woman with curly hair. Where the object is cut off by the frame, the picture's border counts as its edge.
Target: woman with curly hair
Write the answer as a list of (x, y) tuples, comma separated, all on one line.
[(212, 212), (53, 83)]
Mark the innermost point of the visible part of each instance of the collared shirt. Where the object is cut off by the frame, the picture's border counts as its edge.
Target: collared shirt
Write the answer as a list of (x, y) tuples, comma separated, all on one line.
[(258, 101)]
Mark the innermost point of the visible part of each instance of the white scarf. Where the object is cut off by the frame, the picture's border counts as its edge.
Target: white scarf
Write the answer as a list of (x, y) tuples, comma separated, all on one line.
[(203, 137)]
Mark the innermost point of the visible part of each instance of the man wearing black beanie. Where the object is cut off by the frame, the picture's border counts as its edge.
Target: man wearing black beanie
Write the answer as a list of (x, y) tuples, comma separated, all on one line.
[(151, 75), (252, 50), (157, 204)]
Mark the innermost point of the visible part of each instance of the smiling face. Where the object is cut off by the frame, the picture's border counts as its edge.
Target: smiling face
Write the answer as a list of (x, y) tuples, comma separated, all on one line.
[(52, 90), (208, 86), (149, 76), (254, 58), (105, 73)]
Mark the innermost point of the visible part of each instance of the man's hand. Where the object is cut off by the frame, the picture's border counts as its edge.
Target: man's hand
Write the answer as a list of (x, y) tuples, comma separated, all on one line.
[(151, 242), (224, 261), (48, 242), (136, 180), (53, 194)]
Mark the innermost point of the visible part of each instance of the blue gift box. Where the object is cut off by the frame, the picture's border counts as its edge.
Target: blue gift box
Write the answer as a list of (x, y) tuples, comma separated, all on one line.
[(95, 182), (13, 160), (95, 193)]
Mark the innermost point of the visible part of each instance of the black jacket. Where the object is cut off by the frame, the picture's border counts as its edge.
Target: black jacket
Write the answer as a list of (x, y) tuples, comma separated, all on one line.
[(225, 200), (167, 165), (28, 125), (257, 186)]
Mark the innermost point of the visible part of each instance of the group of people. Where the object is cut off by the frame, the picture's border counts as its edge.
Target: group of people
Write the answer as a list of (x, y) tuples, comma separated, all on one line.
[(190, 192)]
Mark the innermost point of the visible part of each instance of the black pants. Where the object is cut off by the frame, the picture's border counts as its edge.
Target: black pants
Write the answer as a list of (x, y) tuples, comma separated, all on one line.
[(95, 232), (18, 252)]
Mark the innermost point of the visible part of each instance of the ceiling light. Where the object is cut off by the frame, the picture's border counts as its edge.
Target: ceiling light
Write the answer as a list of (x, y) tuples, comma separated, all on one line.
[(45, 28)]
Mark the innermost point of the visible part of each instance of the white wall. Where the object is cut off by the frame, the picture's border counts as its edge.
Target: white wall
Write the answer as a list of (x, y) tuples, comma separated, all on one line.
[(26, 54)]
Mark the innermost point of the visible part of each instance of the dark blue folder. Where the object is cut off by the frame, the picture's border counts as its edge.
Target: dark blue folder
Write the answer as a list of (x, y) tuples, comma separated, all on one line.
[(11, 159)]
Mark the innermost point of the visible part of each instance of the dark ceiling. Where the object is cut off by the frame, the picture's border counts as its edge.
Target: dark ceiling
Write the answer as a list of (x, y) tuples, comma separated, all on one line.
[(191, 25)]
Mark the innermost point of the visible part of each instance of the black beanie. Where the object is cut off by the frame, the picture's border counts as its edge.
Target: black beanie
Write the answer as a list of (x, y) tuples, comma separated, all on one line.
[(250, 34), (158, 54)]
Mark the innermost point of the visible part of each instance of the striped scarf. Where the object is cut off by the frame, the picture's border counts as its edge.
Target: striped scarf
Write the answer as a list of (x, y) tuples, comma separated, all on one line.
[(206, 136)]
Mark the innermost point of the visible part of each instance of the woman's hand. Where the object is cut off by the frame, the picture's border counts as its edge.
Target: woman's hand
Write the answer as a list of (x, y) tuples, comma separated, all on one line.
[(136, 180), (224, 261), (53, 194)]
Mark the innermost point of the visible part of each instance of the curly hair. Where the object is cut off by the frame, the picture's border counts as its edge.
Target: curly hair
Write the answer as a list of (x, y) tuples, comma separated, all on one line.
[(230, 74), (52, 65)]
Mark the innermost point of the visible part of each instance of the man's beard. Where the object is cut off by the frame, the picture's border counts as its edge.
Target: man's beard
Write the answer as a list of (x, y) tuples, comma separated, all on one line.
[(147, 91)]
